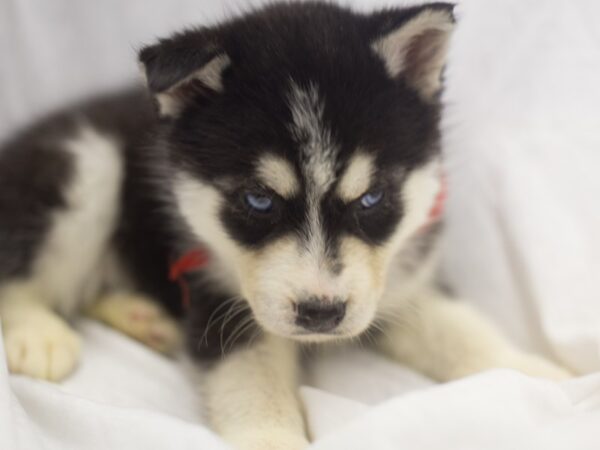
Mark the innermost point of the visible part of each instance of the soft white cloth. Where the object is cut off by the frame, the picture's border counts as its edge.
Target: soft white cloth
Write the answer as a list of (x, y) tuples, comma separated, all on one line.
[(522, 135)]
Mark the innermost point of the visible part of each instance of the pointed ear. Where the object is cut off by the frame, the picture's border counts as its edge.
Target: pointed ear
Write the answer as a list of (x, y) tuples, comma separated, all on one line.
[(413, 44), (181, 69)]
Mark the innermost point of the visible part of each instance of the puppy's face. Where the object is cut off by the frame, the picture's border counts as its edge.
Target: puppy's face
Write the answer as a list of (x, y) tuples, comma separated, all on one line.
[(304, 141)]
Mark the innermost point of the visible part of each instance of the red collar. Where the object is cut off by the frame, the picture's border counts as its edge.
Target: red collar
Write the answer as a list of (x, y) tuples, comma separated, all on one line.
[(191, 261), (437, 210)]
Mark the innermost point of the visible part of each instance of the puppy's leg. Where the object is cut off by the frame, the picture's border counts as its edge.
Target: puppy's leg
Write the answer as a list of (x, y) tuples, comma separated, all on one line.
[(251, 397), (139, 317), (446, 339), (38, 342), (59, 206)]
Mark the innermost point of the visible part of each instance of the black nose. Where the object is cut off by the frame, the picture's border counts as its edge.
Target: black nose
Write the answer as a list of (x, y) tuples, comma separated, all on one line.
[(320, 315)]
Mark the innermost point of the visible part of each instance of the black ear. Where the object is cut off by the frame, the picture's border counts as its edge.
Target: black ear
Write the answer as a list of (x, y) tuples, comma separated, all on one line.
[(413, 44), (181, 68)]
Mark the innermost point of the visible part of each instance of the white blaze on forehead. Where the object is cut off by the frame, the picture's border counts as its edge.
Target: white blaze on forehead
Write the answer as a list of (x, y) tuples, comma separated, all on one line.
[(357, 177), (318, 151), (318, 156), (278, 174)]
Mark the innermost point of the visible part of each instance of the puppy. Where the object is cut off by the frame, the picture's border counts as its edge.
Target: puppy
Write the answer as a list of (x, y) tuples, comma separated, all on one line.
[(285, 172)]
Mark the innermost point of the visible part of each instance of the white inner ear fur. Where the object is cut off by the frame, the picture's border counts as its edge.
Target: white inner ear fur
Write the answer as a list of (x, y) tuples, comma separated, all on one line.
[(357, 178), (278, 174), (418, 50), (170, 102)]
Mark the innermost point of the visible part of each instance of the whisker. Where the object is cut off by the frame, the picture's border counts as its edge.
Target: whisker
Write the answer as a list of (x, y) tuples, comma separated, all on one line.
[(214, 318), (239, 332), (241, 308), (234, 310)]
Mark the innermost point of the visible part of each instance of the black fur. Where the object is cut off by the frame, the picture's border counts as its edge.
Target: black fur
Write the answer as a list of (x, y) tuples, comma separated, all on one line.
[(33, 171), (220, 135), (35, 168)]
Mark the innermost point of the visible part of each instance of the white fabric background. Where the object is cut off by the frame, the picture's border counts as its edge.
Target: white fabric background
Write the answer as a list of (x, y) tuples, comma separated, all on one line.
[(522, 138)]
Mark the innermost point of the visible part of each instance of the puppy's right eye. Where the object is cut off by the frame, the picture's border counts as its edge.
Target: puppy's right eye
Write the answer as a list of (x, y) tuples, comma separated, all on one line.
[(371, 199), (259, 202)]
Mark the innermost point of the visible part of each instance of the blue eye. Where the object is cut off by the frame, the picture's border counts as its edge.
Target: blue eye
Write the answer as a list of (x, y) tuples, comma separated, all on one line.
[(370, 199), (258, 202)]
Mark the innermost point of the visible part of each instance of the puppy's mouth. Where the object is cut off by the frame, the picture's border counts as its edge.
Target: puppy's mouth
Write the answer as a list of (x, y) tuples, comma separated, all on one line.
[(302, 335), (311, 337), (294, 332)]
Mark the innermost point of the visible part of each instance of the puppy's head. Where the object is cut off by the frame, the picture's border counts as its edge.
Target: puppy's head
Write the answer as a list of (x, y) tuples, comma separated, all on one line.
[(304, 139)]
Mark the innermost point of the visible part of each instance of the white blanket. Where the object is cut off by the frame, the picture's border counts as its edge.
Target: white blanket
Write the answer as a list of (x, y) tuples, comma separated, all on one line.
[(522, 137)]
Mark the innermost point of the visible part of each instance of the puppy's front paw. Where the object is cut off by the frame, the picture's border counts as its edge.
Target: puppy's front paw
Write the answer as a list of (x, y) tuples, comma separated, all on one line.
[(140, 318), (537, 366), (44, 348), (509, 358), (268, 440)]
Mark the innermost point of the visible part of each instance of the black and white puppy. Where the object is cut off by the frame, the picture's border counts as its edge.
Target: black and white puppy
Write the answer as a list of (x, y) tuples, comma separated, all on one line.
[(298, 147)]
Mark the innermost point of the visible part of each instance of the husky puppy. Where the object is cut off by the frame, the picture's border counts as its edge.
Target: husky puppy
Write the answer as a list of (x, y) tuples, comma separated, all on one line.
[(298, 149)]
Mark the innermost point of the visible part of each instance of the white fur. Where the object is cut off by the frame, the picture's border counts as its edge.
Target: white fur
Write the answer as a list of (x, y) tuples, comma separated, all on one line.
[(290, 269), (168, 104), (446, 339), (280, 273), (69, 269), (430, 30), (319, 158), (64, 272), (199, 205), (319, 151), (278, 174), (251, 397), (386, 285), (419, 191), (356, 179), (285, 273), (139, 317), (251, 394), (37, 342)]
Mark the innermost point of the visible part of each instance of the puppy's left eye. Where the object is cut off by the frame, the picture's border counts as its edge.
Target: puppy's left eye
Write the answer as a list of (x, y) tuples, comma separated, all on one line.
[(371, 199), (259, 202)]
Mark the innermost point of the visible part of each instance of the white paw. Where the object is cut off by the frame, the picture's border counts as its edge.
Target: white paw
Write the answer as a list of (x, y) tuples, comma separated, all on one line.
[(537, 366), (268, 440), (526, 363), (140, 318), (43, 347)]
